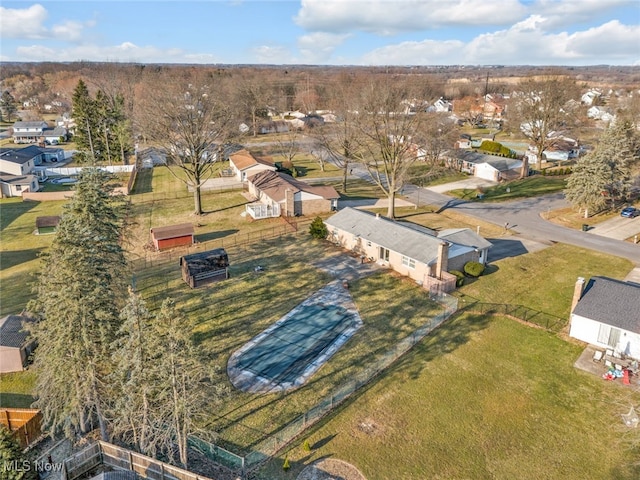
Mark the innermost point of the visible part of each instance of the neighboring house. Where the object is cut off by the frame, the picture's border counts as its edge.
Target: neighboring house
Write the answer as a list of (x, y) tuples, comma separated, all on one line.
[(441, 105), (172, 236), (489, 167), (48, 224), (605, 313), (245, 165), (205, 267), (410, 251), (589, 97), (278, 194), (563, 149), (600, 113), (16, 185), (28, 132), (15, 346), (19, 161), (53, 136), (273, 126)]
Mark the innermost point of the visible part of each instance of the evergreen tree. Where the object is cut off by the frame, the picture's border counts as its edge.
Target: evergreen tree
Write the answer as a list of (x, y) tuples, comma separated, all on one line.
[(13, 464), (134, 359), (83, 112), (604, 174), (79, 293), (7, 106)]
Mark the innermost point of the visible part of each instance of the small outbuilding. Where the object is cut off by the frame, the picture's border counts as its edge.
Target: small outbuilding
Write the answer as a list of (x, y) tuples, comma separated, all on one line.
[(15, 346), (205, 267), (46, 225), (172, 236)]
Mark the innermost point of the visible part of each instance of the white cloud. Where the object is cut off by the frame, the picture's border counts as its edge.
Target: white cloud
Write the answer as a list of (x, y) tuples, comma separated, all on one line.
[(124, 52), (23, 23), (318, 47), (560, 12), (387, 17), (273, 54), (29, 23), (525, 42)]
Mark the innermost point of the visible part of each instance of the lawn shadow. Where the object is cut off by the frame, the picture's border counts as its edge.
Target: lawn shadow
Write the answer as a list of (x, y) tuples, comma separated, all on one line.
[(16, 400), (12, 258), (11, 211), (323, 441), (230, 207), (206, 237)]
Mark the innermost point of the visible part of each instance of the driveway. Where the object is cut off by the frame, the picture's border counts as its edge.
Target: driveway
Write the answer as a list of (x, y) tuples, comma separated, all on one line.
[(470, 183), (619, 228)]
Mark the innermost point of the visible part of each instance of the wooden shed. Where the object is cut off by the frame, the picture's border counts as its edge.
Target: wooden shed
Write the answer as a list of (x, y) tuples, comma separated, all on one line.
[(205, 267), (15, 344), (45, 225), (172, 236)]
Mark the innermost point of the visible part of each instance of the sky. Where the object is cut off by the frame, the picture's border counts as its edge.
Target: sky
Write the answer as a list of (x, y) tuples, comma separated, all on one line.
[(324, 32)]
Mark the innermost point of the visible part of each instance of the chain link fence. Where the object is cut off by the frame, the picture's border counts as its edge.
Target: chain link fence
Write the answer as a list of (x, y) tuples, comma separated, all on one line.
[(274, 443)]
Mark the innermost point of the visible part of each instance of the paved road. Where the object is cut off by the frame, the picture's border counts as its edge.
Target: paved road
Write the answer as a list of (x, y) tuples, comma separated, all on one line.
[(524, 218)]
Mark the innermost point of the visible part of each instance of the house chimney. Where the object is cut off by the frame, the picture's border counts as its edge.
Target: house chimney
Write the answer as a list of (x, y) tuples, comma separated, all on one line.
[(377, 215), (289, 203), (577, 293), (478, 229), (443, 259)]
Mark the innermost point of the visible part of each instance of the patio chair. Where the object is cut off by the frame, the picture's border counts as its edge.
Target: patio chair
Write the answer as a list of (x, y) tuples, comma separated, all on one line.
[(630, 419), (597, 355)]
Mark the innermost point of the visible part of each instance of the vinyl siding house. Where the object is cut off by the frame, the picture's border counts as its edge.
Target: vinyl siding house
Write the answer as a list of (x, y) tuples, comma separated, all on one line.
[(28, 132), (409, 251), (488, 167), (606, 313), (15, 174), (245, 165), (279, 194)]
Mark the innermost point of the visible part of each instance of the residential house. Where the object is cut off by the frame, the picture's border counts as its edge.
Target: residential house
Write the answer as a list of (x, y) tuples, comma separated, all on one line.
[(469, 238), (605, 313), (441, 105), (590, 97), (277, 194), (409, 251), (15, 345), (28, 132), (561, 150), (489, 167), (600, 113), (245, 165), (16, 173)]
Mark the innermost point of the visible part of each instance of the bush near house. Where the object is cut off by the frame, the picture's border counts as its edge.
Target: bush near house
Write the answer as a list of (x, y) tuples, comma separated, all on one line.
[(318, 229), (459, 277), (473, 269), (497, 148)]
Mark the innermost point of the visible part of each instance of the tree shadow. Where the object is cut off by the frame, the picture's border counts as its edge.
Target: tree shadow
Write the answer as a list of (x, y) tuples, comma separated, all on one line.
[(144, 181), (11, 211), (230, 207), (454, 202), (323, 441), (12, 258)]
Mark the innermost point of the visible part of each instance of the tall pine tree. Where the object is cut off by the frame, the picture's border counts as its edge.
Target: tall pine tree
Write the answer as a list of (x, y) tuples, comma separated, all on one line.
[(79, 295)]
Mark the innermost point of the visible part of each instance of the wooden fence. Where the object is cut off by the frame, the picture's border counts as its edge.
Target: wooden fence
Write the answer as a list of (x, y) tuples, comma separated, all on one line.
[(25, 424), (118, 458)]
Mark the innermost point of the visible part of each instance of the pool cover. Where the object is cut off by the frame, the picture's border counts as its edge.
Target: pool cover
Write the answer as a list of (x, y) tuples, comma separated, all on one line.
[(286, 354)]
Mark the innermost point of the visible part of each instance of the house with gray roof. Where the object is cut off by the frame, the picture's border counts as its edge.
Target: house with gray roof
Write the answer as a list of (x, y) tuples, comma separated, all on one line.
[(606, 313), (489, 167), (15, 345), (413, 252)]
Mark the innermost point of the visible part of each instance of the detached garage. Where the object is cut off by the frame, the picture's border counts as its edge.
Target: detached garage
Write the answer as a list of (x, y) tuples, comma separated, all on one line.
[(172, 236)]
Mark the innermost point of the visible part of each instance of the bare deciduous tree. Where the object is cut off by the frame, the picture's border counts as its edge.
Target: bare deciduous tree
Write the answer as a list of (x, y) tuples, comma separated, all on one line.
[(187, 117)]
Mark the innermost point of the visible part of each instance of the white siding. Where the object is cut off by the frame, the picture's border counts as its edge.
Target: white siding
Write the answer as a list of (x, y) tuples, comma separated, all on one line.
[(486, 171), (588, 330)]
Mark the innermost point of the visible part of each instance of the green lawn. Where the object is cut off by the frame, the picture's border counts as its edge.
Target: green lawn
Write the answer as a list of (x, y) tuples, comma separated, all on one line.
[(482, 398), (17, 389), (529, 187)]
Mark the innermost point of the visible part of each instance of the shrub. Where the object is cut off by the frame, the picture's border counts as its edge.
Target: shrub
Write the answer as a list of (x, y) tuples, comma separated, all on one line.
[(306, 446), (318, 229), (473, 269), (285, 465), (459, 277)]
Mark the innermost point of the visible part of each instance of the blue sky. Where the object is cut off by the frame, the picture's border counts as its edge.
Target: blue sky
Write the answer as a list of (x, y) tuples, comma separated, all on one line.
[(324, 32)]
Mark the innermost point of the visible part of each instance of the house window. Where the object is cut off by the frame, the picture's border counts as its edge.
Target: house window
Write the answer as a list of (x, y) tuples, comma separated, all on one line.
[(609, 335), (18, 188), (408, 262), (368, 244)]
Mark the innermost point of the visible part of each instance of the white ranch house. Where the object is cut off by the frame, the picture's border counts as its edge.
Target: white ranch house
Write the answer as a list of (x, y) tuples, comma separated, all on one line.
[(606, 314)]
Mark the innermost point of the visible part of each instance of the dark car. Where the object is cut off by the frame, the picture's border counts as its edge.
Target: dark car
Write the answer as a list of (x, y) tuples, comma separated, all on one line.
[(630, 212)]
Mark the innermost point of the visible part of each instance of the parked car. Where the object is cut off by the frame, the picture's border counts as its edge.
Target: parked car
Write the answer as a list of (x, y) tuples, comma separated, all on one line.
[(630, 212)]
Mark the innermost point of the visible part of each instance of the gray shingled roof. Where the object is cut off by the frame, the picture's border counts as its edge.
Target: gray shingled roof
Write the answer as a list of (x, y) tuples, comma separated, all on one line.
[(11, 333), (612, 302), (392, 235), (464, 236)]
